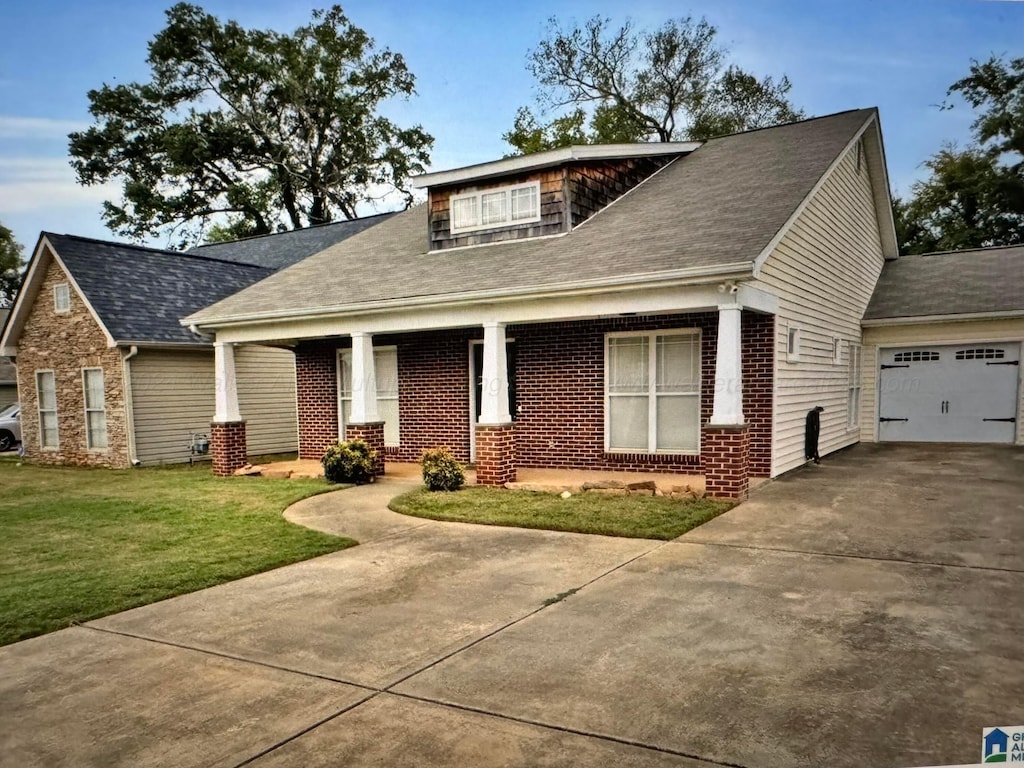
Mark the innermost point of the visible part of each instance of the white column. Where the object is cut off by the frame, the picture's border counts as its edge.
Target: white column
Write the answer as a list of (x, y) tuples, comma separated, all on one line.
[(494, 391), (364, 380), (728, 408), (227, 387)]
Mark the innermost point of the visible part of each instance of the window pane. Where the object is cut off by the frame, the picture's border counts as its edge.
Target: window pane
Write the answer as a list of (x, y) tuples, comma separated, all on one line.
[(93, 388), (464, 212), (678, 423), (97, 425), (493, 208), (389, 413), (345, 364), (627, 427), (678, 364), (386, 364), (346, 415), (627, 364), (46, 392), (48, 428), (525, 204)]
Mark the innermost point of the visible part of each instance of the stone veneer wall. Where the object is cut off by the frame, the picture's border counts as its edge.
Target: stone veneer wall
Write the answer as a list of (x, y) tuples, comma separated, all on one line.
[(66, 343)]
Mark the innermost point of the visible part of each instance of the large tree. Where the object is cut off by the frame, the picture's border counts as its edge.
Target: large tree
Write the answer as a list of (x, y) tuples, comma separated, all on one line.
[(610, 84), (11, 264), (974, 197), (255, 130)]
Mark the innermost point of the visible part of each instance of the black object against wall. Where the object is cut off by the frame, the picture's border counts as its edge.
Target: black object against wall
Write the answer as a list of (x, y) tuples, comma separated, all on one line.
[(811, 434)]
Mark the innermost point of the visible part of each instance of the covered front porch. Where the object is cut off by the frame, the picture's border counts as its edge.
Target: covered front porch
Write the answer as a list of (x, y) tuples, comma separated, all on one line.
[(685, 391)]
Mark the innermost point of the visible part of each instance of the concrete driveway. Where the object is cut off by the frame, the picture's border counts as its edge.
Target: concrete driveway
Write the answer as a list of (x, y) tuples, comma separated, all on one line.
[(867, 611)]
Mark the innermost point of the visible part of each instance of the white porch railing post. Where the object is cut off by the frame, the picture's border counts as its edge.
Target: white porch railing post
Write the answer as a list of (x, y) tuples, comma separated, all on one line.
[(494, 406), (364, 380), (728, 406), (226, 397)]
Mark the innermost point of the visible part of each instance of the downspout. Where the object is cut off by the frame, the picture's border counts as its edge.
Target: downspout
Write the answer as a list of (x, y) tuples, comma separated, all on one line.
[(126, 372)]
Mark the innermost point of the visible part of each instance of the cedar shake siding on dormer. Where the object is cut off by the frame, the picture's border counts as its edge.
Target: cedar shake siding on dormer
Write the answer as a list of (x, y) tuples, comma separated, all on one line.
[(582, 188)]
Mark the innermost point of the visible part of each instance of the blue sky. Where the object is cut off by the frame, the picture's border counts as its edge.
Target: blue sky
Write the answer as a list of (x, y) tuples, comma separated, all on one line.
[(469, 60)]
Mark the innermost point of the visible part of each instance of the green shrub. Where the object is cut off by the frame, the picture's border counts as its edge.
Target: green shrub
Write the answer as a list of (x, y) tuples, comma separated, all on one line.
[(441, 471), (349, 462)]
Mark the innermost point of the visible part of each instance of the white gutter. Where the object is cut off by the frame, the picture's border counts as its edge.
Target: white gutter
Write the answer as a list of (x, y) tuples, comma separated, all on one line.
[(955, 318), (688, 276), (128, 403)]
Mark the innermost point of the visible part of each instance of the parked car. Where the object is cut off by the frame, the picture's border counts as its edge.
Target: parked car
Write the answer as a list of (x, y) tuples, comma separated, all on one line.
[(10, 427)]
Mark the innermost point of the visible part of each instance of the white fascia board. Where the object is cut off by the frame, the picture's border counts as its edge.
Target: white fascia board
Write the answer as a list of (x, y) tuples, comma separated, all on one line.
[(549, 158), (957, 318), (29, 287), (784, 230), (655, 299), (687, 276), (882, 193)]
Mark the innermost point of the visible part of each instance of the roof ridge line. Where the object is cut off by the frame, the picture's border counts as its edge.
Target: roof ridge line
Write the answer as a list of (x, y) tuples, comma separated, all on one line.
[(155, 251), (964, 250), (794, 122), (291, 231)]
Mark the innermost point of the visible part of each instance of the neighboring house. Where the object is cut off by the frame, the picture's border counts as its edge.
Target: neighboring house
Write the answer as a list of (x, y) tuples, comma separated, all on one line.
[(107, 374), (8, 376), (660, 307), (942, 349)]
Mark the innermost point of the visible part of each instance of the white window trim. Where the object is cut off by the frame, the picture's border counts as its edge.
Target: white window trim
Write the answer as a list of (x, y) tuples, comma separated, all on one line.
[(793, 343), (652, 411), (342, 399), (508, 221), (87, 410), (837, 351), (57, 291), (40, 411), (854, 384)]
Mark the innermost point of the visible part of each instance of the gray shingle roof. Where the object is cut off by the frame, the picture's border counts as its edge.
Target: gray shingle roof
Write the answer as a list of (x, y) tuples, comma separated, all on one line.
[(141, 293), (720, 205), (286, 248), (958, 282)]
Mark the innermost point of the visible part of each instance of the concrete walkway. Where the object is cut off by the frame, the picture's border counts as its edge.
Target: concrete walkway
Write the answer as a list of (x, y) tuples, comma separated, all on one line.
[(864, 612)]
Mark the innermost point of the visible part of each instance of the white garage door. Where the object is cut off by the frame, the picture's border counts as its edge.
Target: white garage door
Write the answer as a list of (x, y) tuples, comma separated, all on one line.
[(956, 394)]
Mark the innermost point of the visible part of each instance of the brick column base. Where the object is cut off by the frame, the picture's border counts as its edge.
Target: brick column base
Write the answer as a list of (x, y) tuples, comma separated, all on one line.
[(726, 453), (227, 446), (495, 454), (371, 433)]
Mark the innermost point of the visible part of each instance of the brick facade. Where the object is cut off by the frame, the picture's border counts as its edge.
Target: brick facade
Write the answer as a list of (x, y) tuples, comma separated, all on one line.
[(559, 419), (726, 461), (65, 343), (316, 384), (495, 454), (227, 446), (371, 433)]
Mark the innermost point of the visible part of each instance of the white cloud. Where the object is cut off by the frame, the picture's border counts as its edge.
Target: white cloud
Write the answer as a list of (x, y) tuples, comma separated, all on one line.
[(13, 127), (42, 183)]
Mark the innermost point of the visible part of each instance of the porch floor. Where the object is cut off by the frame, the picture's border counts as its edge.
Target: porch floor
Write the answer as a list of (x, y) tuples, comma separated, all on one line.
[(555, 479)]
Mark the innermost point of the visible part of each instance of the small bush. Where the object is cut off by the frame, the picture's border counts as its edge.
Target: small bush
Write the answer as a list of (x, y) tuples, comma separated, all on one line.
[(441, 471), (349, 462)]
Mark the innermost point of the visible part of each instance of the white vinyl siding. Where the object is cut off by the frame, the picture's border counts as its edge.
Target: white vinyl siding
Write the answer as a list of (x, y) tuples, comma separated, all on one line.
[(386, 372), (652, 392), (972, 332), (173, 395), (46, 397), (503, 206), (823, 271), (95, 409)]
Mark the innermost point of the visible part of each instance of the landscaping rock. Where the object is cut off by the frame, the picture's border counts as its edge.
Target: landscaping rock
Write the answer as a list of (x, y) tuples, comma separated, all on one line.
[(537, 487), (609, 491), (566, 495), (281, 474), (645, 485), (603, 485), (249, 470)]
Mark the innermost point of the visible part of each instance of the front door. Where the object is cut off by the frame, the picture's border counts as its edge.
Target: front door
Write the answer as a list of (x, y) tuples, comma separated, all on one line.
[(476, 368)]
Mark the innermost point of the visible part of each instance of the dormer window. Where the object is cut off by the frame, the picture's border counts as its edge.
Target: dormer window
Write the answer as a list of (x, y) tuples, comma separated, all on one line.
[(518, 204), (61, 298)]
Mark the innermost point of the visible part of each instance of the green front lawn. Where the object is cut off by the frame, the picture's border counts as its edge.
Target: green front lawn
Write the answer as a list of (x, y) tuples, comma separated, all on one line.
[(639, 517), (84, 543)]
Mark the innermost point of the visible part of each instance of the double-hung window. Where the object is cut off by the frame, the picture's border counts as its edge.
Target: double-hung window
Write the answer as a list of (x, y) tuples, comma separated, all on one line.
[(46, 397), (385, 360), (499, 207), (95, 409), (652, 392), (853, 386)]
